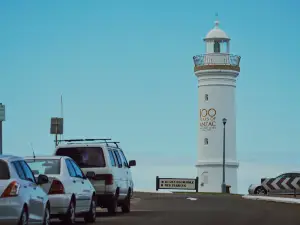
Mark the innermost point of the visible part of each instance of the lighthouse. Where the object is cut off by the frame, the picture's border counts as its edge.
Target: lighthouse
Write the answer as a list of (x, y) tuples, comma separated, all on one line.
[(217, 71)]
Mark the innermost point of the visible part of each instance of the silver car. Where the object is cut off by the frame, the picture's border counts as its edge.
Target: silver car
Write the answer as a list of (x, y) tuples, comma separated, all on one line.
[(70, 192), (22, 200)]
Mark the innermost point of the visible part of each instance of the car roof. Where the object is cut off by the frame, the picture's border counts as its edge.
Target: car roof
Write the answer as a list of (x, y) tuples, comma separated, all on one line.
[(72, 145), (10, 158), (45, 157), (290, 172)]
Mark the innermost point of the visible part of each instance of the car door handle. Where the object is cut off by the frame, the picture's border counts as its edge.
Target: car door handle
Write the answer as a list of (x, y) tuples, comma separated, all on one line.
[(74, 181), (82, 182)]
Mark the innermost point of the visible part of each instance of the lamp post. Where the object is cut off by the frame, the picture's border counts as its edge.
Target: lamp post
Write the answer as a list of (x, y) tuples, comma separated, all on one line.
[(224, 120), (2, 118)]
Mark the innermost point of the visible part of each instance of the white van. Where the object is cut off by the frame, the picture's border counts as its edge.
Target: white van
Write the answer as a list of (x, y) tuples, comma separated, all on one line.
[(111, 178)]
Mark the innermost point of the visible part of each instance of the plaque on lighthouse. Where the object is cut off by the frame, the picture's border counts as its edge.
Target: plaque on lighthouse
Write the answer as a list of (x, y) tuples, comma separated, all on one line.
[(208, 119)]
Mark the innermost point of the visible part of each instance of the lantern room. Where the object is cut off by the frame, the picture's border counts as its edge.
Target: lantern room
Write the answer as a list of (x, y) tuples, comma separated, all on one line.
[(217, 41)]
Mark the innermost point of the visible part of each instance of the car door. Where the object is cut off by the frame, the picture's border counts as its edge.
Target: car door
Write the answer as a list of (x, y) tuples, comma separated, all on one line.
[(120, 174), (28, 191), (127, 175), (31, 187), (84, 187), (76, 186), (39, 194)]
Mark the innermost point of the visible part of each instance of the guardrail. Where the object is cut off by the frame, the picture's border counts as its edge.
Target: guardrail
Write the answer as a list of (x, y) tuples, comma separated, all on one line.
[(217, 59)]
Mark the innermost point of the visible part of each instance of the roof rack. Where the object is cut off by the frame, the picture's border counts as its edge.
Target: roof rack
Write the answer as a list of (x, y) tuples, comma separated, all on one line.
[(115, 142), (105, 140)]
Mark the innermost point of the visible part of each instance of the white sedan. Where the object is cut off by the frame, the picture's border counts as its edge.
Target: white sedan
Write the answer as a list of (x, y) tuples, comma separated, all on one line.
[(70, 192), (22, 200)]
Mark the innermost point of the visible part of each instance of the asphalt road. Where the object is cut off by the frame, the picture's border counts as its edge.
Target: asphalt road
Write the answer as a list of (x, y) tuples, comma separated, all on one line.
[(176, 209)]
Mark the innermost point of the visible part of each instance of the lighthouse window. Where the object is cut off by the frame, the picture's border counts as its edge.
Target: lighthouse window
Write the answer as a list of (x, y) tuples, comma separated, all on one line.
[(217, 47), (206, 141), (206, 97)]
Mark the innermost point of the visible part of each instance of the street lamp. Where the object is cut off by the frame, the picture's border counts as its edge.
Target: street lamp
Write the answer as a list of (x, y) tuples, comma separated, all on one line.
[(2, 118), (224, 120)]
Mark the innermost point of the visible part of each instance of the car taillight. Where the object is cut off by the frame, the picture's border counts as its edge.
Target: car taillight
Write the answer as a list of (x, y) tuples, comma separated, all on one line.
[(109, 178), (56, 188), (12, 190)]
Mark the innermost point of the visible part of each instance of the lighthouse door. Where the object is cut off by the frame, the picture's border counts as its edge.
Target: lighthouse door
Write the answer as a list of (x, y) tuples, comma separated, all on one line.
[(204, 178)]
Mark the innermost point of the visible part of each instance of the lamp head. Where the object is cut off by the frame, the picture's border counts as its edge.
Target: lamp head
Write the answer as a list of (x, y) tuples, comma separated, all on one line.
[(224, 120)]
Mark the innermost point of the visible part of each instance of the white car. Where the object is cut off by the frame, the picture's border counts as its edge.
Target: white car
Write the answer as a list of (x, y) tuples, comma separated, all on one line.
[(113, 181), (70, 193), (22, 200)]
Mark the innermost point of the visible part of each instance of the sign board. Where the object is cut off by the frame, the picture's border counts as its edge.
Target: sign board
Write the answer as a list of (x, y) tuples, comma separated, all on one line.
[(2, 112), (177, 183), (208, 119), (57, 125)]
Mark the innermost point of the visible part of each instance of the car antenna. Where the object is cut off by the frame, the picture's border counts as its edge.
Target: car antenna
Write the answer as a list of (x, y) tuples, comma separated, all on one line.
[(32, 152)]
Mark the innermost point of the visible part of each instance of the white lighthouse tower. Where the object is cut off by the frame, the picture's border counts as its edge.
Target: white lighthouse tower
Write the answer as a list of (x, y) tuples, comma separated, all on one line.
[(217, 71)]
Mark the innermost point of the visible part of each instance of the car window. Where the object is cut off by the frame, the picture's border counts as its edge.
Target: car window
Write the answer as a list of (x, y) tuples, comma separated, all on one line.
[(282, 175), (118, 158), (4, 171), (124, 160), (294, 174), (28, 173), (112, 158), (78, 171), (85, 157), (71, 170), (19, 170), (44, 166)]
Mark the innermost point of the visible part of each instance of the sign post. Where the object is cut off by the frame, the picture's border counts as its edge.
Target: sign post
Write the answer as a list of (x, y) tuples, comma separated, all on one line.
[(177, 183), (2, 118), (57, 127)]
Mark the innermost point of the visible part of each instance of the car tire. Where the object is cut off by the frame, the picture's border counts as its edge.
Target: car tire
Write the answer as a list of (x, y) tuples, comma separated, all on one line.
[(46, 220), (24, 217), (126, 204), (260, 191), (91, 215), (113, 206), (70, 217)]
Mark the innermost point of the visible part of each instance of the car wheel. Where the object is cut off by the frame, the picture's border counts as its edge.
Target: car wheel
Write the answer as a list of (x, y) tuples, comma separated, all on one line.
[(46, 220), (113, 206), (70, 217), (90, 217), (260, 191), (126, 203), (24, 217)]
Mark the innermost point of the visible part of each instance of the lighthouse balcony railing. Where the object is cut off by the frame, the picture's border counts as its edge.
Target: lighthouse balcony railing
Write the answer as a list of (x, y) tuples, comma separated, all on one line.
[(217, 59)]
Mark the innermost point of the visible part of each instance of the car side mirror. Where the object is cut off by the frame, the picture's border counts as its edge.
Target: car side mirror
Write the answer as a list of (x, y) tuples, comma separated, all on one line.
[(132, 163), (90, 174), (42, 179)]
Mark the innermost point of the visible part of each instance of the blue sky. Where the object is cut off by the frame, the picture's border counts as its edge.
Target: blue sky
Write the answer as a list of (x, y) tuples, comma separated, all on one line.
[(125, 71)]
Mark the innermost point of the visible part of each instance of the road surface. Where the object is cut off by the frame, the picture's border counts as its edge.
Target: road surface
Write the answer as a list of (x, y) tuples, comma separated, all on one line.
[(176, 209)]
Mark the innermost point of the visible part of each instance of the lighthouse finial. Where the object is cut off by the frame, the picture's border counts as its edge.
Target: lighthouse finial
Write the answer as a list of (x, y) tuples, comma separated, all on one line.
[(217, 20)]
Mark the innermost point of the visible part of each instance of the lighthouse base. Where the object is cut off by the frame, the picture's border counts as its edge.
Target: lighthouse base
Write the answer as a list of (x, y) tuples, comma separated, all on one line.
[(211, 176)]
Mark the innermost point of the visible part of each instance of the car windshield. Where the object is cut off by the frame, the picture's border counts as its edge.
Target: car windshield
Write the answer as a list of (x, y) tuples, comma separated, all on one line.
[(281, 175), (4, 171), (44, 166), (85, 157)]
